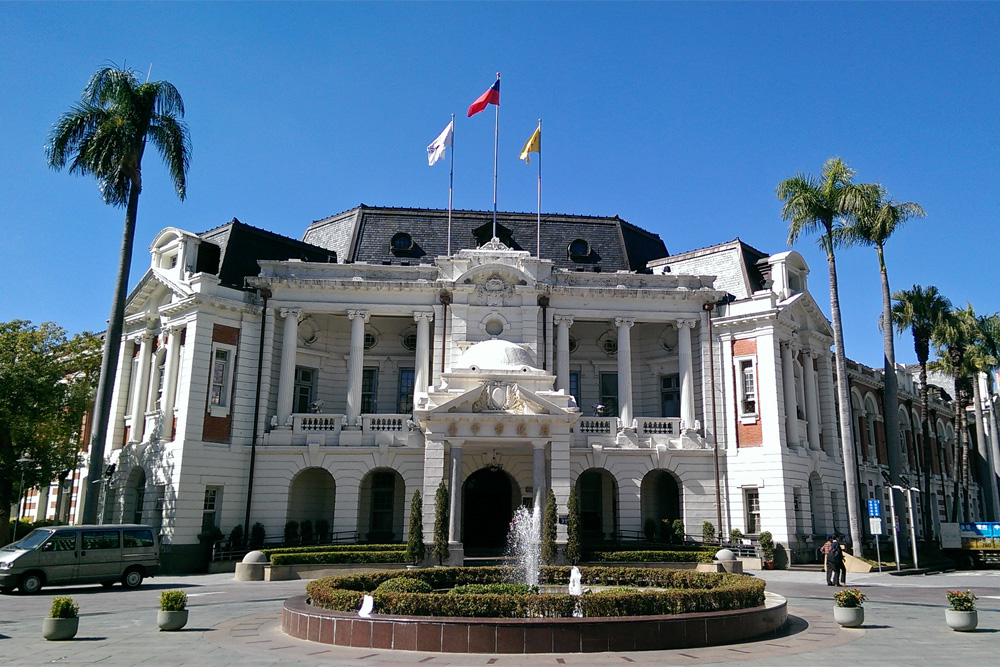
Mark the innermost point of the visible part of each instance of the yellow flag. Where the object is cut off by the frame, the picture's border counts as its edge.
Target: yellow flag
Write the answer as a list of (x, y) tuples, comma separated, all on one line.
[(534, 145)]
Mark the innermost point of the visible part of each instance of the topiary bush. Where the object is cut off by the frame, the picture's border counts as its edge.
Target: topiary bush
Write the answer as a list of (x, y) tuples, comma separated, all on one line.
[(322, 530), (415, 549), (573, 546), (708, 532), (292, 532), (338, 557), (64, 607), (684, 592), (306, 531), (501, 589), (236, 537), (404, 585), (173, 600), (257, 536), (549, 521), (440, 550)]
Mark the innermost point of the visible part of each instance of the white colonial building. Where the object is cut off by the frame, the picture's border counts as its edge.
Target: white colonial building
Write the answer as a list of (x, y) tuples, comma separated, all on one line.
[(328, 379)]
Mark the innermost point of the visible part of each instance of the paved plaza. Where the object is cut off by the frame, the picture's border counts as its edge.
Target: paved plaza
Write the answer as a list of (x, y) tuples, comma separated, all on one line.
[(238, 623)]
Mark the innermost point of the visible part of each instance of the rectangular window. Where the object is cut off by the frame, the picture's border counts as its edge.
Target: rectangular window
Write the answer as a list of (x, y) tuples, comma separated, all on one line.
[(751, 504), (746, 386), (404, 393), (305, 388), (137, 538), (609, 395), (670, 395), (369, 390), (101, 539), (220, 387), (210, 509), (574, 386)]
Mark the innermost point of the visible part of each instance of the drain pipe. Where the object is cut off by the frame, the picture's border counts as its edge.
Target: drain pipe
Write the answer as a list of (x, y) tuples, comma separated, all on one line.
[(543, 301), (445, 298), (265, 294), (709, 307)]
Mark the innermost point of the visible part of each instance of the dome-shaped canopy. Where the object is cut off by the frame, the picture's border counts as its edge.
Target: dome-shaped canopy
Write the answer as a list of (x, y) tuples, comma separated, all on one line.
[(496, 355)]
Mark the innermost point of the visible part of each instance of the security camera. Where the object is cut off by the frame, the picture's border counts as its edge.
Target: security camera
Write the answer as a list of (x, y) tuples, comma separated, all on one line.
[(315, 406)]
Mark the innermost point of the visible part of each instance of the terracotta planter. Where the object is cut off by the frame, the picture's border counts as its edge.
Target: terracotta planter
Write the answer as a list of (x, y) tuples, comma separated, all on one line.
[(59, 629), (171, 620), (849, 617), (961, 621)]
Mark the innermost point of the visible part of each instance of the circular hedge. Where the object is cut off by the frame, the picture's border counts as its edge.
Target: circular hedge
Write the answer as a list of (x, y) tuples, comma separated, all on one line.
[(679, 592)]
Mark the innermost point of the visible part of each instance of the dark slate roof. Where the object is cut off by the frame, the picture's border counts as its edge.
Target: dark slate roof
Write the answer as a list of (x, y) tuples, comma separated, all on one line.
[(241, 245), (366, 234)]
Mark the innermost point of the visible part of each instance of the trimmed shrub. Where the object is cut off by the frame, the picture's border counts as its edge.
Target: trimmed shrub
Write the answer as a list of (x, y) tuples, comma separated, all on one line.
[(306, 531), (236, 537), (573, 549), (686, 592), (292, 532), (677, 531), (415, 549), (323, 548), (549, 521), (404, 585), (767, 546), (649, 528), (322, 530), (616, 591), (64, 607), (652, 556), (338, 557), (500, 589), (707, 532), (735, 535), (440, 551), (257, 536), (173, 600)]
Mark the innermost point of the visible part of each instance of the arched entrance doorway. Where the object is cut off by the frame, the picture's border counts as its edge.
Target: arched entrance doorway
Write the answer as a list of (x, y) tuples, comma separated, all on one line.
[(661, 500), (380, 507), (487, 508), (598, 492), (311, 497)]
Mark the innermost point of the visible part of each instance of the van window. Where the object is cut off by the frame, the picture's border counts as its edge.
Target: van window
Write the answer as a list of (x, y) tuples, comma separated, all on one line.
[(137, 538), (101, 539), (32, 541), (62, 542)]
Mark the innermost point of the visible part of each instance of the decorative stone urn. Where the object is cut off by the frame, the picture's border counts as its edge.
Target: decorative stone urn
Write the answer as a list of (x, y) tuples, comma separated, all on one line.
[(849, 617), (961, 621), (171, 620), (59, 629)]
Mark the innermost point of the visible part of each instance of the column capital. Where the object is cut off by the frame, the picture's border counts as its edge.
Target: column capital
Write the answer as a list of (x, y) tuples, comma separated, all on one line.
[(563, 319), (624, 322), (291, 312), (142, 338), (810, 353), (419, 315), (354, 314), (686, 324), (175, 328)]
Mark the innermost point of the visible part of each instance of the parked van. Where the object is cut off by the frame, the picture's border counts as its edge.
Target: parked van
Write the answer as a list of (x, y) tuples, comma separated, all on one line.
[(61, 555)]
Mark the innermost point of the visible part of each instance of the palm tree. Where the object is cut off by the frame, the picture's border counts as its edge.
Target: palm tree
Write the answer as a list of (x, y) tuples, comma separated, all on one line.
[(104, 136), (822, 205), (952, 337), (982, 359), (872, 225), (920, 311)]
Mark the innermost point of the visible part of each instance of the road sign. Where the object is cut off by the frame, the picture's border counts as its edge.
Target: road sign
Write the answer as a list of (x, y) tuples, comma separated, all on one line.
[(875, 525), (874, 508)]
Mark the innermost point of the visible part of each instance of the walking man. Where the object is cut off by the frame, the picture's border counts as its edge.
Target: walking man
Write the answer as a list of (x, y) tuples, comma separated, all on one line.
[(825, 550), (835, 564)]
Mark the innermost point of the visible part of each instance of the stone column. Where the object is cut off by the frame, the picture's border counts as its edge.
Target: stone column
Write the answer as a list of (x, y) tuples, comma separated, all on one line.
[(538, 476), (791, 409), (422, 361), (812, 399), (686, 363), (286, 375), (563, 323), (624, 326), (141, 386), (356, 366), (455, 493), (170, 381)]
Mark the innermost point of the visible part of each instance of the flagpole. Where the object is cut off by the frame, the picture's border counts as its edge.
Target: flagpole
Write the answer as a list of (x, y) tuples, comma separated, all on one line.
[(538, 225), (451, 180), (496, 148)]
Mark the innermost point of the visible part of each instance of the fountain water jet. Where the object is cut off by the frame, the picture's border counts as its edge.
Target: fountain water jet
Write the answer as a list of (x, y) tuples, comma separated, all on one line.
[(524, 545)]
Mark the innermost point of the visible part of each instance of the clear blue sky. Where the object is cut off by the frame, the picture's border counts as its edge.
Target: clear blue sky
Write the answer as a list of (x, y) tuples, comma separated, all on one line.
[(681, 118)]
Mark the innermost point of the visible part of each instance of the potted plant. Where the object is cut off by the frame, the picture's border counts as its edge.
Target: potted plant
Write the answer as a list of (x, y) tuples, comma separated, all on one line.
[(962, 617), (849, 611), (173, 614), (63, 621), (767, 550)]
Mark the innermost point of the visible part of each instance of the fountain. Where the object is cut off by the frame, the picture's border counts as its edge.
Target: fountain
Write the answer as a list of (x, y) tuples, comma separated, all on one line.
[(524, 545)]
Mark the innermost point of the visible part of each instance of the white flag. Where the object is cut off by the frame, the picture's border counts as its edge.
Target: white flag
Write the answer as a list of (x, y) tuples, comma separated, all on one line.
[(436, 150)]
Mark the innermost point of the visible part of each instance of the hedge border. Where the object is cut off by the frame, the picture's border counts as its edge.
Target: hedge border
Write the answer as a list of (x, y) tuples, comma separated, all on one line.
[(333, 547), (686, 592), (653, 556), (339, 557)]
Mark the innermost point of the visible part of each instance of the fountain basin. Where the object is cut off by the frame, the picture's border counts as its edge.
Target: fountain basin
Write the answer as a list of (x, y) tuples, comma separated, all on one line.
[(532, 635)]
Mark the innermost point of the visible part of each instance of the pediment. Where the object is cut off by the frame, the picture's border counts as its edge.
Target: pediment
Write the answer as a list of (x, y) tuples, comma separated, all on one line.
[(498, 397), (153, 288), (804, 314)]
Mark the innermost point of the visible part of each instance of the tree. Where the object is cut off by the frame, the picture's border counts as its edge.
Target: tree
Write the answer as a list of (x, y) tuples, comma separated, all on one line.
[(415, 540), (872, 224), (573, 548), (822, 205), (920, 311), (440, 550), (549, 521), (104, 136), (46, 386), (982, 358)]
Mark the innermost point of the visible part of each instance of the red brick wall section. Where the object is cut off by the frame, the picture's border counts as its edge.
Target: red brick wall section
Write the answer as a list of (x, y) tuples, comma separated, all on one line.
[(219, 429), (747, 435)]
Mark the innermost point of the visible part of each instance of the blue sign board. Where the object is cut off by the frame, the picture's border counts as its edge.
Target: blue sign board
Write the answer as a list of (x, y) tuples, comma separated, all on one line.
[(980, 529), (874, 508)]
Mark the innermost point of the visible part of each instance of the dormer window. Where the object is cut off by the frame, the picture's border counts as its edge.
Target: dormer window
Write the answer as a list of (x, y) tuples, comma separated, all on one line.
[(578, 250), (401, 244)]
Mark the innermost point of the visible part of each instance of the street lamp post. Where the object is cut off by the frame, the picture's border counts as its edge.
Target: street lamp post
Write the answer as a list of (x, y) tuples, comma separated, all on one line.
[(24, 461), (913, 526), (892, 515)]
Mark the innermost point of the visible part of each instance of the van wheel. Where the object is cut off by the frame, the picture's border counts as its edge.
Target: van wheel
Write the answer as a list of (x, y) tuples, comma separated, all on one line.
[(132, 578), (107, 584), (30, 583)]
